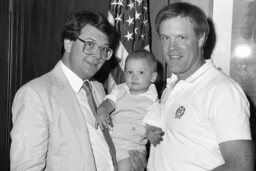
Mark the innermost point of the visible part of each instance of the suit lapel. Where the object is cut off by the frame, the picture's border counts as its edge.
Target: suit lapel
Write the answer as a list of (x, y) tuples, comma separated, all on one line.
[(67, 99)]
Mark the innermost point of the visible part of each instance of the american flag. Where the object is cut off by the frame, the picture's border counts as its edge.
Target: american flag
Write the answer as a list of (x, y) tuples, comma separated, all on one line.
[(131, 20)]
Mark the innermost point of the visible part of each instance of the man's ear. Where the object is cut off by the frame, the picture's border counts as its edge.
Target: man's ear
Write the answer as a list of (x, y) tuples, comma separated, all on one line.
[(68, 45), (111, 54), (201, 40), (154, 77)]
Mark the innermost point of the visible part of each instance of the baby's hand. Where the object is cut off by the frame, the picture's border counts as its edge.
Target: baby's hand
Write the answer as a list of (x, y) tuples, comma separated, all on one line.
[(102, 119), (154, 134)]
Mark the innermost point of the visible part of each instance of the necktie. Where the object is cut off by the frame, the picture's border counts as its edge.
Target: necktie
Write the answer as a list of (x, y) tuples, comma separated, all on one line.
[(87, 88)]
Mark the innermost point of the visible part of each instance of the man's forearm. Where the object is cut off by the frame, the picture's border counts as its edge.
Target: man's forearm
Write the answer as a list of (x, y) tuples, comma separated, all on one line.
[(238, 156), (233, 167)]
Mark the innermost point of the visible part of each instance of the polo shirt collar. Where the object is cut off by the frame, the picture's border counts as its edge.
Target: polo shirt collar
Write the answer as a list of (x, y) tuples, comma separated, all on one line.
[(203, 69)]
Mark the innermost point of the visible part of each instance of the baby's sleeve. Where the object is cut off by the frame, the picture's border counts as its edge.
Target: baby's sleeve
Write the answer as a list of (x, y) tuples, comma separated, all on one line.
[(153, 115), (113, 95), (117, 92)]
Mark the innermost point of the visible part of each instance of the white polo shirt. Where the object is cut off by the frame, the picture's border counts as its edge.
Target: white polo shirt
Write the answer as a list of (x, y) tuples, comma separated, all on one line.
[(197, 114), (99, 146)]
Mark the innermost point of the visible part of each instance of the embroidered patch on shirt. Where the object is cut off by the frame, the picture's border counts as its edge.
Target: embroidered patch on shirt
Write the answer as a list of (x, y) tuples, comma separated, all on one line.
[(180, 112)]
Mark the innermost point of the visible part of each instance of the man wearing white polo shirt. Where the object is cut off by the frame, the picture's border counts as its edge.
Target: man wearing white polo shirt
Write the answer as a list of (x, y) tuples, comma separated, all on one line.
[(203, 112)]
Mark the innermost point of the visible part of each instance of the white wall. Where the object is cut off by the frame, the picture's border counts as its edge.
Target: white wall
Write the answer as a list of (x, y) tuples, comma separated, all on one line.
[(222, 18)]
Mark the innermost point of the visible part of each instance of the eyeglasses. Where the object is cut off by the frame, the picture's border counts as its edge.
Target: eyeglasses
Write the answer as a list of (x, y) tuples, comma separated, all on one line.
[(91, 47)]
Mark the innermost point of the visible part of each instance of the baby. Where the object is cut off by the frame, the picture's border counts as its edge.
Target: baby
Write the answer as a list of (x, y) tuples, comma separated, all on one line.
[(128, 103)]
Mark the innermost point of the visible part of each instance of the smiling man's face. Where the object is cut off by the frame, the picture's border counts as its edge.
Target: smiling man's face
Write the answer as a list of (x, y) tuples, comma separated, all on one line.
[(85, 65), (181, 46)]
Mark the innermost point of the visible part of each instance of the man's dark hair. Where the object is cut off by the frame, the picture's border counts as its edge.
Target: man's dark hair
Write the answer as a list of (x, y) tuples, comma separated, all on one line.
[(78, 20)]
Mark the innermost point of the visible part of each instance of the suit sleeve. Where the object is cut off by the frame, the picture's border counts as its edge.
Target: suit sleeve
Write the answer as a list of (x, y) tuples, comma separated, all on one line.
[(30, 131)]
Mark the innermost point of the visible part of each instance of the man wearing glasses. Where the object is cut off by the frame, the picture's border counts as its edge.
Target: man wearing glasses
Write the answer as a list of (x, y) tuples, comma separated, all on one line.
[(53, 122)]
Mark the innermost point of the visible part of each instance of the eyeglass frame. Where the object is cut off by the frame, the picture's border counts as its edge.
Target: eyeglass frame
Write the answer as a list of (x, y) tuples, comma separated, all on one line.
[(98, 47)]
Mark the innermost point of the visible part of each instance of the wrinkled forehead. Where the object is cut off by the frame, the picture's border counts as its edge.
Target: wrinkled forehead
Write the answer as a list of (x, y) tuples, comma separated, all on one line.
[(179, 19)]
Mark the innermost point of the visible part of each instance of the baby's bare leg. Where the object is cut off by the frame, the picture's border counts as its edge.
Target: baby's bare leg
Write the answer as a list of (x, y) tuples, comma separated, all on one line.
[(124, 165)]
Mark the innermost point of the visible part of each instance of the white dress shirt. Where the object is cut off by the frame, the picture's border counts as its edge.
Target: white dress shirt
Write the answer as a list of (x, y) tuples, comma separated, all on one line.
[(100, 148)]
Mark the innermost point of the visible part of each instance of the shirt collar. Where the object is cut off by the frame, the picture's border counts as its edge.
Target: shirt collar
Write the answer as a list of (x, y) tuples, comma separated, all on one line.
[(203, 69), (75, 81), (150, 93)]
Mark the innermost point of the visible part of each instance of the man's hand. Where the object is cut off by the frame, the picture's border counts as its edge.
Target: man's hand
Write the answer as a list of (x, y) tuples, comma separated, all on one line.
[(138, 160), (154, 134)]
